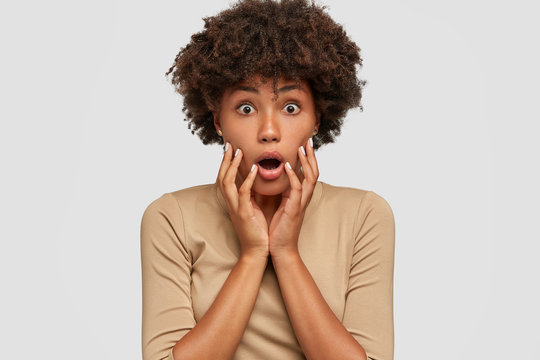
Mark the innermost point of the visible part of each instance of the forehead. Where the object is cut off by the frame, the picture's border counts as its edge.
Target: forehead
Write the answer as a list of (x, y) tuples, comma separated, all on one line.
[(258, 85)]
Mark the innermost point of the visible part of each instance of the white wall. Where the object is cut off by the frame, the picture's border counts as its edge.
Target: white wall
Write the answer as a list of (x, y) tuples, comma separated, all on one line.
[(91, 132)]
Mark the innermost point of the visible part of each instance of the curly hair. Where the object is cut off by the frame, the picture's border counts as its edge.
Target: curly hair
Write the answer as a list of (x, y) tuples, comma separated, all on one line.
[(293, 39)]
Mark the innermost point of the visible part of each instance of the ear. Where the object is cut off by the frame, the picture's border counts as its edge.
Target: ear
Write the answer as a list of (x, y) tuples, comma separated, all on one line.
[(317, 121), (215, 115)]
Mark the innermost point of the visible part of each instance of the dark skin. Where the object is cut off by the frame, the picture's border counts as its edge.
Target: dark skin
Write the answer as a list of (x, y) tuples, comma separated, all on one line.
[(267, 217), (254, 121)]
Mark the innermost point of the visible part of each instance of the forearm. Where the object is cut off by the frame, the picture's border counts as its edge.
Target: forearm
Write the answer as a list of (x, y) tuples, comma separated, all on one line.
[(219, 331), (319, 332)]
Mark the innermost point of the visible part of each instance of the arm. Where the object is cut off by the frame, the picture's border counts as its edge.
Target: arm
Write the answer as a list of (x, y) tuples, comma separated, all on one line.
[(368, 315), (167, 314), (318, 330), (219, 331), (169, 330)]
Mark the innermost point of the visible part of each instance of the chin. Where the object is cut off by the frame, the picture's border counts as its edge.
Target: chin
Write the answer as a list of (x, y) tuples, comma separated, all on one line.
[(273, 187)]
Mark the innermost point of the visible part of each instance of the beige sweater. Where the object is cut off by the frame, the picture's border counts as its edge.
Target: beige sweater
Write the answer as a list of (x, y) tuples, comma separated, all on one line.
[(189, 247)]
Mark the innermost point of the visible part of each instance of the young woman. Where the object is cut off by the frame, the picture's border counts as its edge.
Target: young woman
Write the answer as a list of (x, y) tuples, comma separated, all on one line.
[(268, 262)]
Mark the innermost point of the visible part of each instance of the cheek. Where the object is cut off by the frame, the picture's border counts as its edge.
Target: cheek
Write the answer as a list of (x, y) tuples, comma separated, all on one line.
[(237, 135), (303, 127), (236, 139), (300, 137)]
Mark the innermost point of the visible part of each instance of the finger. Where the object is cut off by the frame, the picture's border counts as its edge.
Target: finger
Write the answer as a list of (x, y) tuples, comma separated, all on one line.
[(306, 166), (225, 162), (229, 182), (312, 159), (295, 194), (244, 194), (309, 179)]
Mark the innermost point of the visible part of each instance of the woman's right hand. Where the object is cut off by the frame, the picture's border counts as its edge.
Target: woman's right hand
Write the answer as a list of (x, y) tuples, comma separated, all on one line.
[(247, 218)]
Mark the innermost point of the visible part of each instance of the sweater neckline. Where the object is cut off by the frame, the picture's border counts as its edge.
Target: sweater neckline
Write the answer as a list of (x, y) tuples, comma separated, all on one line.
[(315, 197)]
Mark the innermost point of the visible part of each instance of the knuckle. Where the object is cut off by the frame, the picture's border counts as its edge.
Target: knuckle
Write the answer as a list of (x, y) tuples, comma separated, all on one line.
[(228, 181), (294, 212), (243, 213)]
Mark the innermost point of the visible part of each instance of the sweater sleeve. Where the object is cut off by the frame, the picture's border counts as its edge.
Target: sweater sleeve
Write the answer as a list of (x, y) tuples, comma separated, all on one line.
[(167, 313), (368, 314)]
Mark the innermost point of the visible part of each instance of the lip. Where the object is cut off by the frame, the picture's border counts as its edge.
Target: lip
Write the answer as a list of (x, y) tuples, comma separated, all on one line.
[(272, 174), (270, 155)]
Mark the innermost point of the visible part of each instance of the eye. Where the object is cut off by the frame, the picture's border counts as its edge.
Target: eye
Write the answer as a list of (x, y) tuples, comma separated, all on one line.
[(246, 109), (291, 109)]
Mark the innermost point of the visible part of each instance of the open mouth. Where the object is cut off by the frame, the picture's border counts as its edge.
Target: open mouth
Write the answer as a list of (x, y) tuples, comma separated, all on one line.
[(269, 164)]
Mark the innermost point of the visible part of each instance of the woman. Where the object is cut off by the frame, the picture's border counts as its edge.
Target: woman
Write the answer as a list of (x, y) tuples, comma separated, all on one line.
[(268, 262)]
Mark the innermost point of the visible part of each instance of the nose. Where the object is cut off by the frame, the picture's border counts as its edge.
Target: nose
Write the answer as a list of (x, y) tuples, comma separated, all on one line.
[(269, 128)]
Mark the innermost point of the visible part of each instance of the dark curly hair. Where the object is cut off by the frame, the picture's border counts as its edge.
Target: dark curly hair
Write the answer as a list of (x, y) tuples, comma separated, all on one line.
[(293, 39)]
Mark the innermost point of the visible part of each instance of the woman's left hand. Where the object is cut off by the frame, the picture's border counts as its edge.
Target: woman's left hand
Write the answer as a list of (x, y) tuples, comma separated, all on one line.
[(287, 221)]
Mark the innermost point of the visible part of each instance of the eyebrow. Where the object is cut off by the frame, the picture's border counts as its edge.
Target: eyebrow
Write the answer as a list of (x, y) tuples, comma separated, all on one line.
[(280, 90)]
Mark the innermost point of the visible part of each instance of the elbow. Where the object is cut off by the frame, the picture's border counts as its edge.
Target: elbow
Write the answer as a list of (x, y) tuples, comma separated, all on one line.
[(362, 355)]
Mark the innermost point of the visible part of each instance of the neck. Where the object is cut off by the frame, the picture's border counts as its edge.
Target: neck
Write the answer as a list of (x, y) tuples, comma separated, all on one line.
[(268, 204)]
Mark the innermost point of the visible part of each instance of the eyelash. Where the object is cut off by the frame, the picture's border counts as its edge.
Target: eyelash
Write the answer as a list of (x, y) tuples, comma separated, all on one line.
[(245, 104), (298, 108), (288, 104)]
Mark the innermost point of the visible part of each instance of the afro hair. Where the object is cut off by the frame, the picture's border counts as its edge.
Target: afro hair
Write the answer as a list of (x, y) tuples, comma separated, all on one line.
[(294, 39)]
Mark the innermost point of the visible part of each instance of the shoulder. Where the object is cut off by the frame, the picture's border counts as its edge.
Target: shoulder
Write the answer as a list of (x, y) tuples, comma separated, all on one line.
[(196, 189), (170, 204), (367, 205), (187, 209), (181, 197), (342, 192), (161, 213), (194, 193), (374, 202), (354, 196)]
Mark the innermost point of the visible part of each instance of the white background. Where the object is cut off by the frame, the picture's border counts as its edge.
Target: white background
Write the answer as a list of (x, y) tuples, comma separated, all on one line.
[(92, 132)]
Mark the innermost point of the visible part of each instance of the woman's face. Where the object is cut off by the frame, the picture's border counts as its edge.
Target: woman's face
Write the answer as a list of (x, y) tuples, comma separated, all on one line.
[(254, 120)]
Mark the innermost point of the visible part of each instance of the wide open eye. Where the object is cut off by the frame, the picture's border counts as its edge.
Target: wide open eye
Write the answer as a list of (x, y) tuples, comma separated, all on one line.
[(246, 109), (291, 109)]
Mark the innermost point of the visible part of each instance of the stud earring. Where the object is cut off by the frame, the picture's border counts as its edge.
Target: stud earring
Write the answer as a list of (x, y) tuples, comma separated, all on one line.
[(219, 132), (314, 131)]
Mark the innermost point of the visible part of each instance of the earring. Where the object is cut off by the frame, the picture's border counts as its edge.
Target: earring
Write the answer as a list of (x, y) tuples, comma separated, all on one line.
[(219, 132), (314, 131)]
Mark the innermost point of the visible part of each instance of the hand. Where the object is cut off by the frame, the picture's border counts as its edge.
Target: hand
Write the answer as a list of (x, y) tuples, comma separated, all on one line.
[(287, 221), (247, 218)]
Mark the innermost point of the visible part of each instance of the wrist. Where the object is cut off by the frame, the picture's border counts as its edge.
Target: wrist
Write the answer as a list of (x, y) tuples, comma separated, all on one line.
[(254, 255), (285, 255)]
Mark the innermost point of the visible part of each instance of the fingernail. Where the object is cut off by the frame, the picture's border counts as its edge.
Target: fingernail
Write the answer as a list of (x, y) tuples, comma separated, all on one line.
[(236, 153), (288, 165), (226, 146), (302, 150), (253, 167), (311, 142)]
